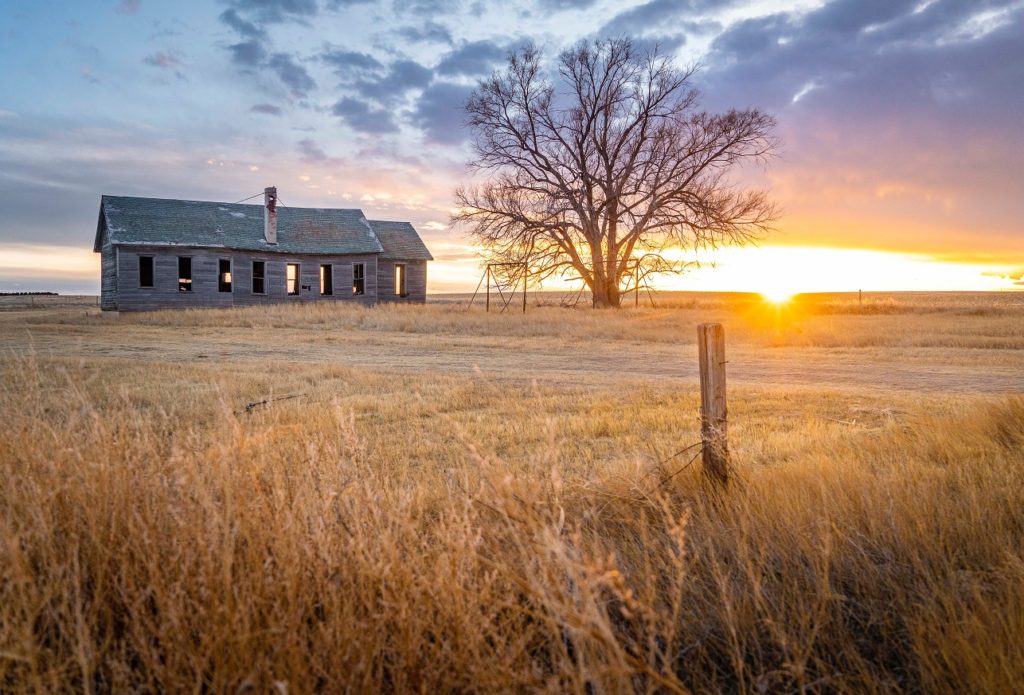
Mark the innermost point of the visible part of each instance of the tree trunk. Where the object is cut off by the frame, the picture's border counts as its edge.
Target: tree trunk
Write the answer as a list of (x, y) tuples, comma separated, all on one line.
[(606, 294)]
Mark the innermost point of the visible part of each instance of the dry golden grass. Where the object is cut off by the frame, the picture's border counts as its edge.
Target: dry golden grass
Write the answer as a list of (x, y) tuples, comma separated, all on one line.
[(975, 344), (911, 320), (441, 531)]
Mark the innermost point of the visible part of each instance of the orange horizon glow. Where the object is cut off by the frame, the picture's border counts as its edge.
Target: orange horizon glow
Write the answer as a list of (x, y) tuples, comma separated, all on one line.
[(776, 272), (780, 272)]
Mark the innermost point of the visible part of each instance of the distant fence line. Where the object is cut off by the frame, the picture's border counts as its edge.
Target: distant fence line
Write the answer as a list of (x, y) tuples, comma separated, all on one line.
[(12, 302)]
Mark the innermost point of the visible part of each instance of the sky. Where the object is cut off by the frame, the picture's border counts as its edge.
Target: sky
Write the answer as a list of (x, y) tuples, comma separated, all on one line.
[(901, 122)]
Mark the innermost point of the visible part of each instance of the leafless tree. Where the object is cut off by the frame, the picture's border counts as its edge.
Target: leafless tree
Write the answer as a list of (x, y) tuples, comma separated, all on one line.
[(614, 165)]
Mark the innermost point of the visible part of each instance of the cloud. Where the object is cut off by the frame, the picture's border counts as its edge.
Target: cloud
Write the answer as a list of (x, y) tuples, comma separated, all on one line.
[(243, 26), (248, 54), (87, 74), (472, 59), (338, 4), (162, 59), (426, 8), (439, 113), (663, 23), (254, 51), (364, 118), (162, 30), (871, 59), (276, 11), (641, 19), (848, 17), (267, 109), (982, 23), (76, 172), (558, 5), (292, 74), (166, 60), (311, 152), (427, 32), (128, 6), (348, 64), (401, 76)]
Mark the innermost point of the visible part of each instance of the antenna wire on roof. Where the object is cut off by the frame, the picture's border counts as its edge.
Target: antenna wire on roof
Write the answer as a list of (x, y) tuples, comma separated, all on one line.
[(249, 198)]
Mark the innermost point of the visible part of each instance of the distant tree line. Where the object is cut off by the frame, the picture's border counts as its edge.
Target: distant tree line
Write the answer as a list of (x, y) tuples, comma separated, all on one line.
[(26, 294)]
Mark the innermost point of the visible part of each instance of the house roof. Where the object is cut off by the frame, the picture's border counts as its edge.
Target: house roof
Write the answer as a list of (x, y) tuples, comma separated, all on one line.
[(400, 241), (165, 222)]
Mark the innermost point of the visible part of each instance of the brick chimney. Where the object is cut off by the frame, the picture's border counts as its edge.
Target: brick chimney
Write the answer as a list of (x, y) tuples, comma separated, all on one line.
[(270, 214)]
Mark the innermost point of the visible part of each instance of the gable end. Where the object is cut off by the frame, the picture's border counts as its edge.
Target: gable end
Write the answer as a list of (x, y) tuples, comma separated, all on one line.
[(101, 230)]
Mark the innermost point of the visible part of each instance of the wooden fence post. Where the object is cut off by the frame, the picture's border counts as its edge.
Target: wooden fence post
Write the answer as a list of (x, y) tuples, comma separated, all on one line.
[(713, 430), (526, 274), (636, 286)]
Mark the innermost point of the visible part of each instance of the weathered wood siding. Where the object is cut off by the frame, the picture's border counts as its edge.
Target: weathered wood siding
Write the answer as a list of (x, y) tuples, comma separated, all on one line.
[(205, 279), (108, 277), (415, 281)]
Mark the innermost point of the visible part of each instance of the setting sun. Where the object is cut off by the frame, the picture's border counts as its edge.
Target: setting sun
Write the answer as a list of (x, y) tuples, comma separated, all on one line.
[(777, 295)]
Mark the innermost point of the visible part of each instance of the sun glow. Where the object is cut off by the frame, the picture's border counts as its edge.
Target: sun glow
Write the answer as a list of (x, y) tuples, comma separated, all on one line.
[(778, 295), (775, 272), (779, 272)]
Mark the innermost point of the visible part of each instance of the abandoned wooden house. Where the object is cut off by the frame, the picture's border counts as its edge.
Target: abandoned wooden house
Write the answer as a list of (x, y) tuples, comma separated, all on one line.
[(158, 254)]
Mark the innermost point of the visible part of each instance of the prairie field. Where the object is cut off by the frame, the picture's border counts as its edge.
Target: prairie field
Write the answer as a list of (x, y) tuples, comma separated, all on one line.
[(315, 498)]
